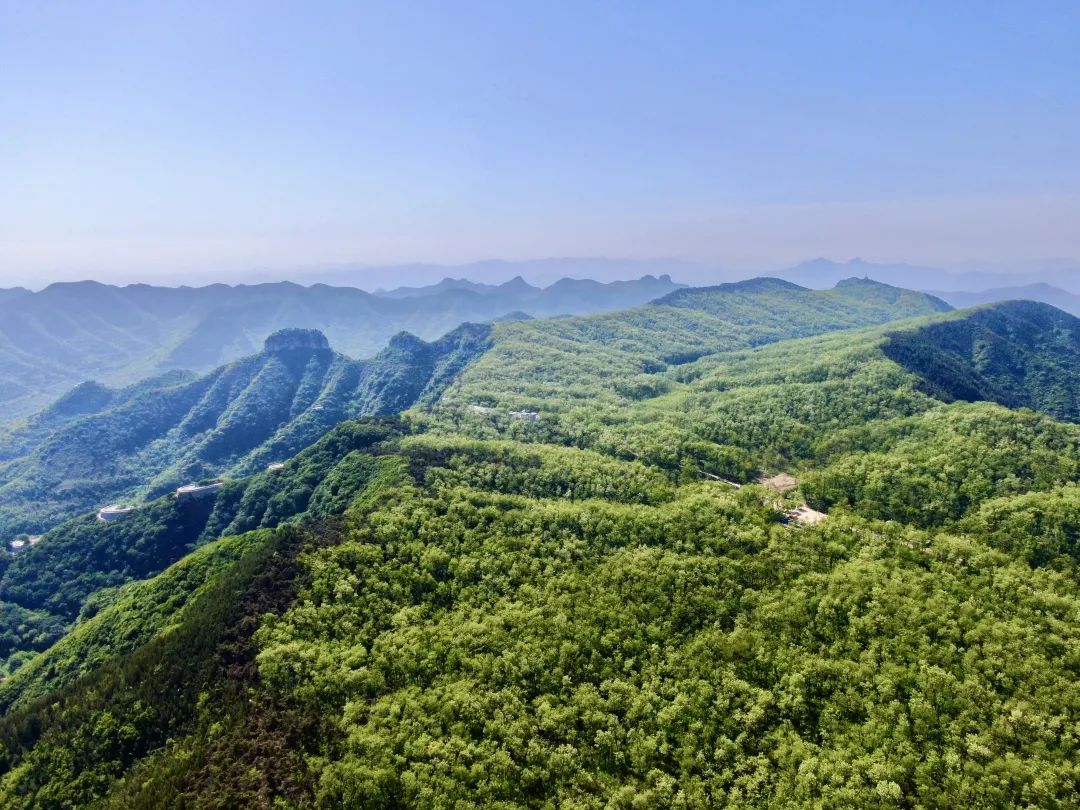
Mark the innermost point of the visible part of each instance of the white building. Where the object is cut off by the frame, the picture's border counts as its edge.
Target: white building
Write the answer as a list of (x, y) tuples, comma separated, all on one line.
[(192, 491), (110, 513)]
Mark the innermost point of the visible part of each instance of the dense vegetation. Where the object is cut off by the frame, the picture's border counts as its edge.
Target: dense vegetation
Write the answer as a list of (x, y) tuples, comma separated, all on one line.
[(97, 725), (96, 447), (602, 608), (1020, 354), (48, 586), (67, 333)]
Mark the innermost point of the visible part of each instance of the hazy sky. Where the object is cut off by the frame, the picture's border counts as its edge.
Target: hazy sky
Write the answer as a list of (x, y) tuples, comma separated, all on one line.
[(143, 139)]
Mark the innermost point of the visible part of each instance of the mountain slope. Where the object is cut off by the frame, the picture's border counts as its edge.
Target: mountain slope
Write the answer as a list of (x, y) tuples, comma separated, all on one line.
[(1018, 354), (850, 302), (194, 629), (235, 420), (51, 583), (577, 611), (68, 333), (547, 634), (12, 293), (618, 357)]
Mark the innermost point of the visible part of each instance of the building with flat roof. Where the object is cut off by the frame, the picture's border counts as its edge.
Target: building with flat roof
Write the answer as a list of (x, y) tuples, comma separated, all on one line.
[(108, 514), (193, 491)]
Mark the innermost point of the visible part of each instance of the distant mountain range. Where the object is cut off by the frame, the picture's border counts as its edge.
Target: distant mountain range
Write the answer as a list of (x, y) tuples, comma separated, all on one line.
[(12, 294), (823, 273), (1044, 293), (494, 271), (72, 332), (565, 297), (68, 333)]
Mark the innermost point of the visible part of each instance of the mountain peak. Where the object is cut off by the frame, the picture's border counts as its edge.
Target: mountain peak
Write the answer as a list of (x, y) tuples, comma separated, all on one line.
[(517, 283), (406, 341), (861, 281), (287, 339)]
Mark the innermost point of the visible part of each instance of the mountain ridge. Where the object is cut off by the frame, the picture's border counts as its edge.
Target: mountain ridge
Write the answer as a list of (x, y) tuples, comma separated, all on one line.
[(238, 418), (74, 331), (1015, 353)]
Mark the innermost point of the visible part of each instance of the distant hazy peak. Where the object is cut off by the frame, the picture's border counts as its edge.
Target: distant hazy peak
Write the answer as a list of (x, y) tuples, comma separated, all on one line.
[(288, 339), (517, 284), (12, 294), (447, 284), (1039, 291)]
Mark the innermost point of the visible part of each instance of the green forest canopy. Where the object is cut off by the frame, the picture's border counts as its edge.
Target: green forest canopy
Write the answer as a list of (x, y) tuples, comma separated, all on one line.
[(577, 611)]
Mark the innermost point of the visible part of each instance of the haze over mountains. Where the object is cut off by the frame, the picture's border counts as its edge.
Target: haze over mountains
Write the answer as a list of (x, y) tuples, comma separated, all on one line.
[(1045, 293), (826, 272), (68, 333), (73, 332), (542, 272)]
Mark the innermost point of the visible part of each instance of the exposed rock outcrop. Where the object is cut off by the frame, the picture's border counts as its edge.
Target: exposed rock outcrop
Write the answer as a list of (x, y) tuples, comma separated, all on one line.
[(289, 339)]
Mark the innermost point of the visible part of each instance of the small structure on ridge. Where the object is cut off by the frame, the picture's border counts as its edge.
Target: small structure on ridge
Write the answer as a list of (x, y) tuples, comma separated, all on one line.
[(110, 513), (191, 492)]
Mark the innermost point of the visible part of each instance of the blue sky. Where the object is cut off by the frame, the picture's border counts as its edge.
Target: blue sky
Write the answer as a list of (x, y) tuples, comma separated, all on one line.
[(155, 139)]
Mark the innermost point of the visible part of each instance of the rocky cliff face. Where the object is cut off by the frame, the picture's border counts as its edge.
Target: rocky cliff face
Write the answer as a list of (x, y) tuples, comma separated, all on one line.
[(289, 339)]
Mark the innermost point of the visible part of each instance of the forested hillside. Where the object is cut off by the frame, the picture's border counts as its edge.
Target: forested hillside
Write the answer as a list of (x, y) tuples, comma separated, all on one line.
[(96, 446), (68, 333), (612, 603), (1019, 354), (75, 569)]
